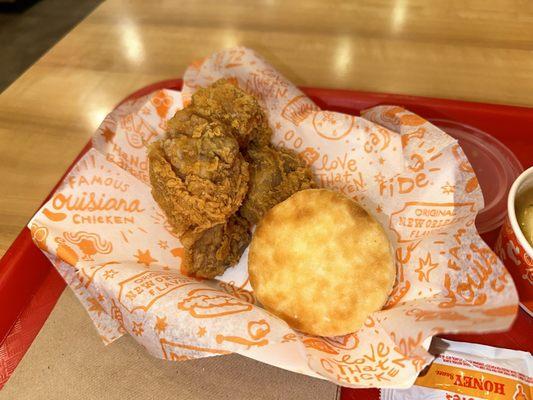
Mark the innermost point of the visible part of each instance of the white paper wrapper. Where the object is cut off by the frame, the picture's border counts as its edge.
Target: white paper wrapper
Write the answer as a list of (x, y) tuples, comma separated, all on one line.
[(114, 247)]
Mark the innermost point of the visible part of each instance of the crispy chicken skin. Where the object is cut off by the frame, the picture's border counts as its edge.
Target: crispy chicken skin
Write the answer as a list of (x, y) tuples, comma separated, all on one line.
[(200, 175), (275, 174), (225, 102), (201, 189), (209, 253)]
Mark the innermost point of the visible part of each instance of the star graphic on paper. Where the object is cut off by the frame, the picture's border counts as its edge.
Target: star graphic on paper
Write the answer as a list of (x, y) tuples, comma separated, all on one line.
[(95, 306), (144, 257), (425, 266), (146, 110), (162, 244), (160, 324), (381, 160), (110, 274), (447, 189), (137, 328), (201, 332), (278, 125), (379, 209), (108, 134)]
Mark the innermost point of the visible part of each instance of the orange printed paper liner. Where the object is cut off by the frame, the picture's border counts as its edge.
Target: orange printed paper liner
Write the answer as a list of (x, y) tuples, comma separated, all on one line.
[(112, 244)]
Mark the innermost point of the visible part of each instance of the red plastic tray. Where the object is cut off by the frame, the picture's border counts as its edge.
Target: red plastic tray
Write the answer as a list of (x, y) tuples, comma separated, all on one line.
[(30, 286)]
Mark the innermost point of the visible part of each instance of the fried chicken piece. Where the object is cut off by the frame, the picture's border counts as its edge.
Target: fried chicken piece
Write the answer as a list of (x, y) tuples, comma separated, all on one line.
[(209, 253), (275, 174), (225, 102), (200, 177), (199, 180), (208, 153), (186, 122)]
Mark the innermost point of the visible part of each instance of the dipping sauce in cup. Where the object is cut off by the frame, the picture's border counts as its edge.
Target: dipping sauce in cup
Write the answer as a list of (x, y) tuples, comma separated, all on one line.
[(514, 244), (524, 213)]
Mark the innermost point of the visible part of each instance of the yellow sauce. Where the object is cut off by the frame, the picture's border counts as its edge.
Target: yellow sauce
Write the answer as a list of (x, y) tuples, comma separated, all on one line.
[(524, 213)]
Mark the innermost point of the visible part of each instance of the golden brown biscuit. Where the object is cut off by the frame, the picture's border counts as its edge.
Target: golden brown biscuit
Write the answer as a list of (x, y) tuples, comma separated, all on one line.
[(321, 263)]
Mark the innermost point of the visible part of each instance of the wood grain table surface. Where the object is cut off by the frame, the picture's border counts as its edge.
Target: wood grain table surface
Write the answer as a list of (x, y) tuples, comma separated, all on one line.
[(466, 49)]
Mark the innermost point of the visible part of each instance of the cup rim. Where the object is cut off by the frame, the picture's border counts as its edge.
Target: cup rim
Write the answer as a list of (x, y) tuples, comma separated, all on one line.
[(512, 214)]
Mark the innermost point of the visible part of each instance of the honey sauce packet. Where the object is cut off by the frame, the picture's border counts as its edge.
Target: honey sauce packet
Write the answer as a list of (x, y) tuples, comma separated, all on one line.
[(467, 371)]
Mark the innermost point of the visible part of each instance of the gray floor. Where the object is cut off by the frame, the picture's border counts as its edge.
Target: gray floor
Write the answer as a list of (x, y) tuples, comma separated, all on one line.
[(26, 35)]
